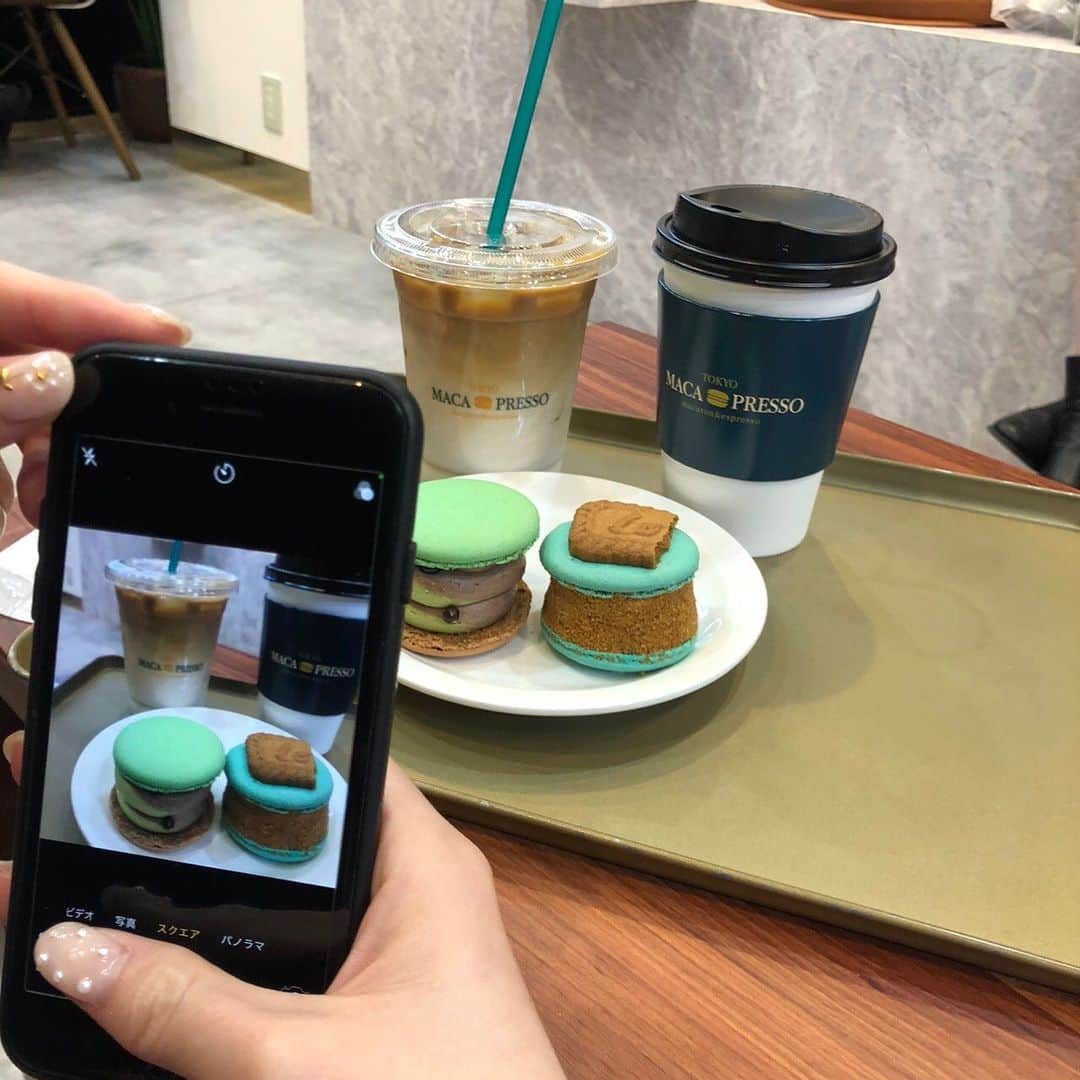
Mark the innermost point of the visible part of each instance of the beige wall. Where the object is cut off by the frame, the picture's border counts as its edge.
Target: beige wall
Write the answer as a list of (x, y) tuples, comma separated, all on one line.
[(215, 55)]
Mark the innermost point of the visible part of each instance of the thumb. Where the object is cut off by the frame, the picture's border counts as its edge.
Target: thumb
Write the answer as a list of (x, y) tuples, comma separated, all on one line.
[(161, 1002)]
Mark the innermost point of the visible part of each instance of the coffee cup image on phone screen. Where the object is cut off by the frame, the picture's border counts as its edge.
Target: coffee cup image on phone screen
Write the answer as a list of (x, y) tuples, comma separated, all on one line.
[(203, 702)]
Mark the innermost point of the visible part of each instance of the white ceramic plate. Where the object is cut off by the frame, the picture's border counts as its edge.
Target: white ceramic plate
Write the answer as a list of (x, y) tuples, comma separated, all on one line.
[(92, 780), (527, 677)]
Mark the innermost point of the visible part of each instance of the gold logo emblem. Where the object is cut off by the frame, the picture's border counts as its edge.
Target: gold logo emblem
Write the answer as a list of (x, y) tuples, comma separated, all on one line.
[(718, 398), (482, 401)]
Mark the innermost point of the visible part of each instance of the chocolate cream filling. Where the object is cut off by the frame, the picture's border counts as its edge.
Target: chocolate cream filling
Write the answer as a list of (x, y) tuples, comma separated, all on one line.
[(159, 811), (461, 588)]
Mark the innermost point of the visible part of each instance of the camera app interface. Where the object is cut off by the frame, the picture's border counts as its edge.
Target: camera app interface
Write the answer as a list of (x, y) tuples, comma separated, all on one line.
[(208, 659)]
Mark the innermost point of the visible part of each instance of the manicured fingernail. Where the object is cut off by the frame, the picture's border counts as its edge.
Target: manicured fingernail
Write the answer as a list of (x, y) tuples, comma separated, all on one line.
[(35, 387), (9, 745), (81, 961), (5, 866), (165, 318)]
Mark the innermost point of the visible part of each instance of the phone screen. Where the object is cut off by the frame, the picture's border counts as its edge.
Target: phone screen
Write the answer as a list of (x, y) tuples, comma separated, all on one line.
[(202, 727)]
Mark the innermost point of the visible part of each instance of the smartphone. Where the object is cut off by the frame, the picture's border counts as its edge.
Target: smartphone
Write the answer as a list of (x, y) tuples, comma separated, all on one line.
[(224, 555)]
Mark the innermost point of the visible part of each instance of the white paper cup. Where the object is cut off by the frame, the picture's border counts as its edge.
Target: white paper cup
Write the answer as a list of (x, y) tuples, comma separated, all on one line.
[(314, 622), (767, 296)]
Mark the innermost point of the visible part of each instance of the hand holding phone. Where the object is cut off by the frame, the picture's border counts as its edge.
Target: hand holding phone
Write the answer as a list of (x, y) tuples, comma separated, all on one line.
[(433, 925), (431, 987), (224, 553)]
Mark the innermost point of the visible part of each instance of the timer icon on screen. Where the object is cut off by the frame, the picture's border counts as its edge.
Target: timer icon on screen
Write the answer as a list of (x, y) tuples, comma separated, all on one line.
[(225, 473)]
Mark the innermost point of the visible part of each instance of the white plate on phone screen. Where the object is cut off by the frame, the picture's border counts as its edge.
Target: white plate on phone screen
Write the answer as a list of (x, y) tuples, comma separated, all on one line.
[(528, 677), (92, 780)]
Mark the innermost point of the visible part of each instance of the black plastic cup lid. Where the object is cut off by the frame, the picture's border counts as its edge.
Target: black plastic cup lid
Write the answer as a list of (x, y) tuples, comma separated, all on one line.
[(779, 237), (315, 576)]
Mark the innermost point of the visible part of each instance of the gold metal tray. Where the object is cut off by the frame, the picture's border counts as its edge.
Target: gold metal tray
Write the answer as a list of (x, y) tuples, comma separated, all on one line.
[(900, 753)]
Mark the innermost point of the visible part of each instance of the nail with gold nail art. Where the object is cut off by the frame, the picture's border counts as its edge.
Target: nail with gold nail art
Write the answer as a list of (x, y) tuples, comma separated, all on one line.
[(37, 386)]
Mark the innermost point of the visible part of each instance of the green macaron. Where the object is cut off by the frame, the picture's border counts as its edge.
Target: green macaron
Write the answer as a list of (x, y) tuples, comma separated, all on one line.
[(168, 754), (464, 524)]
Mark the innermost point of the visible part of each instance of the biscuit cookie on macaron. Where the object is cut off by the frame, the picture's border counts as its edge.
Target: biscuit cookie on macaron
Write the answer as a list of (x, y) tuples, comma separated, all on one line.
[(468, 596), (277, 798)]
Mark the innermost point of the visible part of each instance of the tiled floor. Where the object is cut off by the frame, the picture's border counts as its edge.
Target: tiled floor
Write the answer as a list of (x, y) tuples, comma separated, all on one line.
[(247, 274)]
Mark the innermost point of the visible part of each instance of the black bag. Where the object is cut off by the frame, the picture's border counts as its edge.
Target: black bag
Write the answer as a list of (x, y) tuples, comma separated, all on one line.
[(1046, 438)]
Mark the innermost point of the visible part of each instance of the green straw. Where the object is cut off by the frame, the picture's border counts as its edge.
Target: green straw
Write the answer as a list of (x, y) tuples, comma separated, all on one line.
[(174, 555), (519, 133)]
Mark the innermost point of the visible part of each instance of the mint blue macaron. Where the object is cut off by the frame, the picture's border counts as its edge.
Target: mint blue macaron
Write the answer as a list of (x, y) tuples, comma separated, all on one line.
[(281, 810), (622, 663), (611, 617), (280, 797), (676, 567)]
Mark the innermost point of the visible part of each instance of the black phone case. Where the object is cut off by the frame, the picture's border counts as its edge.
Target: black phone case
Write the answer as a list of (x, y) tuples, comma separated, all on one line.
[(59, 1023)]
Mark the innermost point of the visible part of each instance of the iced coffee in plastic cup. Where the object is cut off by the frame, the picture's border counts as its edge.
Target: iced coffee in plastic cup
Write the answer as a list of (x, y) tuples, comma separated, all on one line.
[(169, 623), (493, 336)]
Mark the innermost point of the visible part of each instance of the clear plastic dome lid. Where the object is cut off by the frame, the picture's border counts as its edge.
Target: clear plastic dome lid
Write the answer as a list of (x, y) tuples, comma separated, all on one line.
[(542, 245), (189, 579)]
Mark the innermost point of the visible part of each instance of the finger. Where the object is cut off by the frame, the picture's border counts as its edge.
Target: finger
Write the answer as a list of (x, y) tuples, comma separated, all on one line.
[(409, 823), (31, 483), (433, 897), (161, 1002), (12, 747), (47, 312), (33, 390), (13, 751)]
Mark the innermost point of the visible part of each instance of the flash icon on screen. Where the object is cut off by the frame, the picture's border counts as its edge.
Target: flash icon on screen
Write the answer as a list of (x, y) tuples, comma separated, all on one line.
[(364, 491)]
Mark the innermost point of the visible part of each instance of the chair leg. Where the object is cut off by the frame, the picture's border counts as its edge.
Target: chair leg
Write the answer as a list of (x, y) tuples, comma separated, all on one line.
[(86, 80), (47, 77)]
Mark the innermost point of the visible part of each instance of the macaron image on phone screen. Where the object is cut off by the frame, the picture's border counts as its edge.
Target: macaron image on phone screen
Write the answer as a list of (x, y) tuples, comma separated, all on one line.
[(203, 721)]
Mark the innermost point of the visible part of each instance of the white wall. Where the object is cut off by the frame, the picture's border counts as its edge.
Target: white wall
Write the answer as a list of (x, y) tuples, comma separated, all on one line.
[(215, 55)]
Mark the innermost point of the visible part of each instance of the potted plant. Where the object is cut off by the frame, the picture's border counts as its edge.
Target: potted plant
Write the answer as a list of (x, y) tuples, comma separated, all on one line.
[(140, 82)]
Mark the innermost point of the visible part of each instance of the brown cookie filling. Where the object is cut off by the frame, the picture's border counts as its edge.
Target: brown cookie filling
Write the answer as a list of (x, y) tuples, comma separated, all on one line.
[(622, 624), (299, 831)]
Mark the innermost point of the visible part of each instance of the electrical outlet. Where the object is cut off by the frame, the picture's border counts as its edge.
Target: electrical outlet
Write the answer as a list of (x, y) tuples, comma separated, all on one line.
[(272, 104)]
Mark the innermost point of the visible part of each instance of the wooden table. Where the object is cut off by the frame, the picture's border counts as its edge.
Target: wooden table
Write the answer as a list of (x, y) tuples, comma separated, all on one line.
[(638, 978)]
